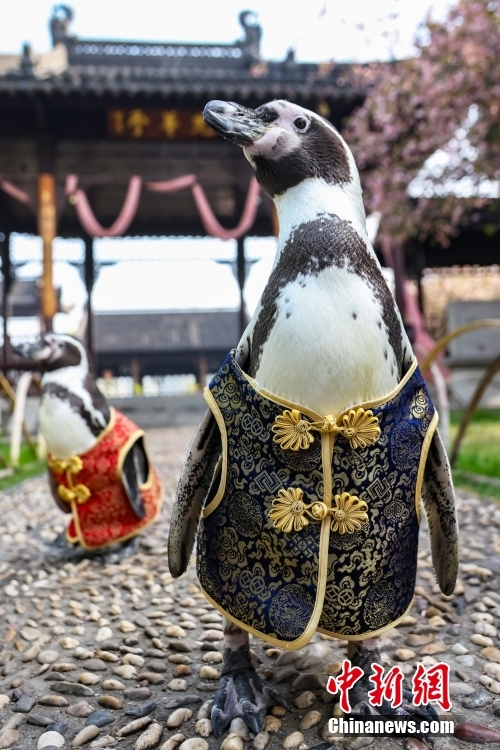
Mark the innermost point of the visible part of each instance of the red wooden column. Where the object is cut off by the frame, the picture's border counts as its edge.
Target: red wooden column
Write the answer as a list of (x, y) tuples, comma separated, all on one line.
[(47, 229)]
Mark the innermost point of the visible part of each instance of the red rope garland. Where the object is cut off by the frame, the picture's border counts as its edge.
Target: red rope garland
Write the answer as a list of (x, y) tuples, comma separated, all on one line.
[(128, 211), (129, 208)]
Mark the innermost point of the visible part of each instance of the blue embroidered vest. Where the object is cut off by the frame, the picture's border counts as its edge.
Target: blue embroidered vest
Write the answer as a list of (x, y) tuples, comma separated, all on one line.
[(314, 522)]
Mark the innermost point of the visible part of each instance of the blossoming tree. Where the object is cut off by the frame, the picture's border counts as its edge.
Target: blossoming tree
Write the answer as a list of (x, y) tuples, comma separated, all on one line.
[(446, 99)]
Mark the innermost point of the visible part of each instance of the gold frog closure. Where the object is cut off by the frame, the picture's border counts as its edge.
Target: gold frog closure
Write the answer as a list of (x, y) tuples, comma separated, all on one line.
[(349, 513), (79, 492), (73, 492), (73, 464), (290, 513), (292, 432)]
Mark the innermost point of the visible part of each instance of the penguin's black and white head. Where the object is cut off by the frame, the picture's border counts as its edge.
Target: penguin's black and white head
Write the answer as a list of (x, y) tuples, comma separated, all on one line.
[(285, 144), (55, 351), (73, 412)]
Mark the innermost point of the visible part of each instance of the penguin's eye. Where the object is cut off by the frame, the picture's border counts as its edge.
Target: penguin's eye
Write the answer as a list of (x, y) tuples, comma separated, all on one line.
[(61, 345), (301, 123)]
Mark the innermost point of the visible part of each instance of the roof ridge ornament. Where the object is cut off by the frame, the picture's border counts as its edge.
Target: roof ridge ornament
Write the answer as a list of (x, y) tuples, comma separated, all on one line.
[(26, 67), (62, 16), (250, 44)]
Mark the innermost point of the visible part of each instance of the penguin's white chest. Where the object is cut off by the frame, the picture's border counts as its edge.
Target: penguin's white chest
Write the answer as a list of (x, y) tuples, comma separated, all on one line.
[(328, 348), (64, 430)]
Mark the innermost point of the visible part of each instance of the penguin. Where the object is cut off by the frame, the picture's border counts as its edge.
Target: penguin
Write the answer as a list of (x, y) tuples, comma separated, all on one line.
[(76, 421), (327, 342)]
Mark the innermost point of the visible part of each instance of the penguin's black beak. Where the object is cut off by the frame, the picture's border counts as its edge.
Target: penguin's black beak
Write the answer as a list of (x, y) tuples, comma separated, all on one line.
[(37, 350), (238, 124)]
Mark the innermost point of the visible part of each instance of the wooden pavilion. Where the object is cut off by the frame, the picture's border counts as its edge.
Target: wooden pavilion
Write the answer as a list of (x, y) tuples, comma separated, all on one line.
[(105, 111), (100, 113)]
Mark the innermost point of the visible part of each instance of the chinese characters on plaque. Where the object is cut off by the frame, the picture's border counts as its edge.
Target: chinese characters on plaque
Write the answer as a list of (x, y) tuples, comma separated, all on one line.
[(158, 124)]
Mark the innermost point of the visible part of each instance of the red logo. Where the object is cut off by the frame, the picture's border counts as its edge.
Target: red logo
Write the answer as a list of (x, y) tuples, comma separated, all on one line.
[(430, 685), (389, 687), (344, 682)]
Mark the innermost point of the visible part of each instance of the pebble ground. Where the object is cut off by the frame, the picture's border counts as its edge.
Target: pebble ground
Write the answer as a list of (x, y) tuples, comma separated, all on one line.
[(121, 638)]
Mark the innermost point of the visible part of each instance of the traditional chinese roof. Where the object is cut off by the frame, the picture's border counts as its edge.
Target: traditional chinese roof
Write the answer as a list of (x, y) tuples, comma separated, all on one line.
[(113, 68), (107, 110)]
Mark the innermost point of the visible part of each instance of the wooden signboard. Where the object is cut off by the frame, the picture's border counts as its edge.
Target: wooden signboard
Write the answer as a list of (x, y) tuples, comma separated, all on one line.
[(158, 124)]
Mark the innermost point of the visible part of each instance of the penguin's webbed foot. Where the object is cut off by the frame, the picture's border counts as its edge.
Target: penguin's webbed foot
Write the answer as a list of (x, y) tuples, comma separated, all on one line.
[(61, 542), (406, 711), (61, 550), (242, 693), (115, 553)]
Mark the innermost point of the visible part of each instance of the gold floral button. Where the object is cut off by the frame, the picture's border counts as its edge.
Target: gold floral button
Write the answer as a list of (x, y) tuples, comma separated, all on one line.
[(348, 514), (290, 513), (360, 428), (291, 431)]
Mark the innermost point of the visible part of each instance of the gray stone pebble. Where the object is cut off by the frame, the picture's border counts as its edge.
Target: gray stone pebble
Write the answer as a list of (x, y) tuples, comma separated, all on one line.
[(100, 719), (58, 727), (261, 741), (66, 618), (157, 666), (478, 699), (152, 677), (293, 740), (194, 743), (50, 739), (71, 688), (461, 688), (137, 694), (178, 717), (39, 720), (467, 660), (143, 709), (82, 709), (9, 737), (53, 700), (134, 726), (95, 665), (86, 735), (203, 727), (110, 701), (150, 738)]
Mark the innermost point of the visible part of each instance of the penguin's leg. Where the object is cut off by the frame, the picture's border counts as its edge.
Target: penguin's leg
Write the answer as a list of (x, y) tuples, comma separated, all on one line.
[(438, 497), (363, 654), (60, 543), (241, 691)]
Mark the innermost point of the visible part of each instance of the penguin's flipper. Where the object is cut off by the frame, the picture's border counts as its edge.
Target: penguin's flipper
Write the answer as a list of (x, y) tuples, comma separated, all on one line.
[(194, 484), (439, 502), (61, 504), (135, 472)]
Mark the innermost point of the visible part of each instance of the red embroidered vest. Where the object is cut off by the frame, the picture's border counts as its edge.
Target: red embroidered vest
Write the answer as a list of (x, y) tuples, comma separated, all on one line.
[(92, 484)]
